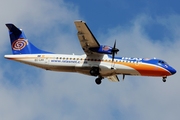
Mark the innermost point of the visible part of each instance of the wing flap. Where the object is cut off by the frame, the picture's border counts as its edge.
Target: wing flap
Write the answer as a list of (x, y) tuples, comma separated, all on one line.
[(113, 78)]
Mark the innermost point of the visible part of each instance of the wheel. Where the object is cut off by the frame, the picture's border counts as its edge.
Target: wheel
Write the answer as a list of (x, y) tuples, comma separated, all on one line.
[(98, 81), (94, 71), (164, 79)]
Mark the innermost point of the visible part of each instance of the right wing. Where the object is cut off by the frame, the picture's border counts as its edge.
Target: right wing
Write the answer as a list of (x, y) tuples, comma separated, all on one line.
[(86, 37)]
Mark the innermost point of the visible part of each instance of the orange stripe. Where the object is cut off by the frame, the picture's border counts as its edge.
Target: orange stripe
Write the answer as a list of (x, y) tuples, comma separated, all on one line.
[(148, 70)]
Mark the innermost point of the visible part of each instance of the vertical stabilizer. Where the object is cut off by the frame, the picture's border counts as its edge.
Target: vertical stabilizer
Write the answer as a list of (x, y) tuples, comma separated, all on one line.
[(19, 42)]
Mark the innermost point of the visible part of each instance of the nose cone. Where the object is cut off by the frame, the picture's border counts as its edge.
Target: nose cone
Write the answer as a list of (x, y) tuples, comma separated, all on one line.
[(172, 70)]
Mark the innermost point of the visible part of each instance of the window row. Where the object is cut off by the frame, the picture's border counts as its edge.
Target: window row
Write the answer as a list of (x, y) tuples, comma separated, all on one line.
[(123, 61)]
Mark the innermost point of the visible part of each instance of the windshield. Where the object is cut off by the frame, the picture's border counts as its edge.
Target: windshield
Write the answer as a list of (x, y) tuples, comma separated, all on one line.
[(163, 62)]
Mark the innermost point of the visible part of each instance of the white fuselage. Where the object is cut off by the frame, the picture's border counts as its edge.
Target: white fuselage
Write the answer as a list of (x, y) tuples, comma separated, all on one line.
[(75, 63)]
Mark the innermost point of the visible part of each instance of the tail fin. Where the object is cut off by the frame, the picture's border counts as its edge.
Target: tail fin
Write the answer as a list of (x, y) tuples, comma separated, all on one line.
[(19, 42)]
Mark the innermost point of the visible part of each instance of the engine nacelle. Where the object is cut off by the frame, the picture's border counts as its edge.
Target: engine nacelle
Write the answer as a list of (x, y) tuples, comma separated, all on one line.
[(102, 49)]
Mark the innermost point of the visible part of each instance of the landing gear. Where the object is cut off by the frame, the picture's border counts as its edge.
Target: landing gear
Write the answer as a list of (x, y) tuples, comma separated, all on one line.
[(94, 71), (164, 79), (98, 80)]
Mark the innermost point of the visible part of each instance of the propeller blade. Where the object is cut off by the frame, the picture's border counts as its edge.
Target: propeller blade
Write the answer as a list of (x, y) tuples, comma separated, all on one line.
[(113, 57), (114, 44), (114, 50)]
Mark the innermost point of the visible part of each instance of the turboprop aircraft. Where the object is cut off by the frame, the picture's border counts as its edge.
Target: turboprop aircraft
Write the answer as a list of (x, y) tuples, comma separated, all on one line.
[(97, 60)]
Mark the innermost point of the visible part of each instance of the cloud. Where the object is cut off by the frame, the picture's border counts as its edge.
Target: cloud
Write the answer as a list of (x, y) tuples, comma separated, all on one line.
[(31, 93), (149, 99)]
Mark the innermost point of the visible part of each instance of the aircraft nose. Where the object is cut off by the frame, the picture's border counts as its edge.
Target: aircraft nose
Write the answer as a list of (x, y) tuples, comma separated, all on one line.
[(172, 70)]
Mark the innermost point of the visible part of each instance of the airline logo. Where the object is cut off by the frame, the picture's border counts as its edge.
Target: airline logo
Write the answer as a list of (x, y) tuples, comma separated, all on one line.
[(19, 44), (106, 48)]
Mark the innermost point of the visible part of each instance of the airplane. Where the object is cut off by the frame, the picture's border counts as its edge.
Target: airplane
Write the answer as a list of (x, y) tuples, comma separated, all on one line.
[(98, 60)]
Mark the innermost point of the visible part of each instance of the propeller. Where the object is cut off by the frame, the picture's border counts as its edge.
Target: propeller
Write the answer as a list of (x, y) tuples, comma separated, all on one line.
[(114, 50)]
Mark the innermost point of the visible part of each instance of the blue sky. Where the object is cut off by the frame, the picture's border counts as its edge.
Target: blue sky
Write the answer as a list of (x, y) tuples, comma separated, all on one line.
[(141, 28), (112, 13)]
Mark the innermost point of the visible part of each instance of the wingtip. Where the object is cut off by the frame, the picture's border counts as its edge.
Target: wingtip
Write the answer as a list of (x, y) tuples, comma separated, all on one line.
[(79, 21)]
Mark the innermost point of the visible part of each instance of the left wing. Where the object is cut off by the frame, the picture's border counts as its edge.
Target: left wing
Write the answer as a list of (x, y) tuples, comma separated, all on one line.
[(86, 37), (113, 78)]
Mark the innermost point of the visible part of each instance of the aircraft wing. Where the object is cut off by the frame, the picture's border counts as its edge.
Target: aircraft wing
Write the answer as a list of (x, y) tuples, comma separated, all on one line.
[(86, 37), (113, 78)]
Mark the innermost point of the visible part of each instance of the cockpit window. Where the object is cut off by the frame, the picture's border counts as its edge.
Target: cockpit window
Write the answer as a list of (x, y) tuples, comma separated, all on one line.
[(163, 62)]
